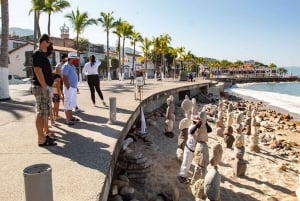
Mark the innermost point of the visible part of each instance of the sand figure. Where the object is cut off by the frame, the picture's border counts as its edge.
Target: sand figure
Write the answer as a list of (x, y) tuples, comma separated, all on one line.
[(254, 133), (189, 149), (239, 136), (183, 127), (248, 120), (170, 119), (228, 137), (186, 105), (220, 127), (240, 165), (195, 107), (213, 178), (298, 189), (201, 154)]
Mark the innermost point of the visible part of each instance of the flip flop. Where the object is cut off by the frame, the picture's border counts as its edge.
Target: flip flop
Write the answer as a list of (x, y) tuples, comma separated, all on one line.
[(48, 143), (75, 119)]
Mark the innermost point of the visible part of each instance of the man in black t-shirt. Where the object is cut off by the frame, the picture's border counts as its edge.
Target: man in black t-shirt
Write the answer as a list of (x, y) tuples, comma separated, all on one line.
[(42, 83)]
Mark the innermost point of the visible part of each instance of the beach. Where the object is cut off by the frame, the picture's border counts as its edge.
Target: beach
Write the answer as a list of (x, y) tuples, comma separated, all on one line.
[(271, 174)]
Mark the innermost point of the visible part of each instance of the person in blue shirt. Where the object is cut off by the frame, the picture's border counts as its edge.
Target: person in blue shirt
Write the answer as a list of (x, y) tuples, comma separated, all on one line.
[(70, 80)]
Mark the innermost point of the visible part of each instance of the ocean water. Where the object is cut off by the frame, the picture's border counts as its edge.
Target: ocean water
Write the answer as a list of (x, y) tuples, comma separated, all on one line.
[(285, 95), (295, 71)]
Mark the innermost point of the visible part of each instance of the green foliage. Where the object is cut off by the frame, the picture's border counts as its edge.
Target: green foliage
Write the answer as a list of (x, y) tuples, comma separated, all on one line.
[(114, 63)]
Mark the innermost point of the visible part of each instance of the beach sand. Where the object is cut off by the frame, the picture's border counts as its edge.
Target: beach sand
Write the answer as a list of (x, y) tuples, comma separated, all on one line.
[(271, 175)]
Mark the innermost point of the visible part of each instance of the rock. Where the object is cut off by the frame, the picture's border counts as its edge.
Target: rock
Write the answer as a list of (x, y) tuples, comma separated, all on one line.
[(126, 190), (114, 190)]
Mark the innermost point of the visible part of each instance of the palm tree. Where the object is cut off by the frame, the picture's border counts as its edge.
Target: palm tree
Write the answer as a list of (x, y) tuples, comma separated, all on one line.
[(53, 6), (125, 30), (117, 31), (37, 7), (135, 37), (146, 44), (79, 21), (165, 40), (181, 52), (4, 90), (108, 23), (282, 71)]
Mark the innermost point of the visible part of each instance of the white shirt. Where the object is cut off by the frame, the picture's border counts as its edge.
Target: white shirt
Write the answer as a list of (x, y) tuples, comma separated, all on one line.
[(88, 69)]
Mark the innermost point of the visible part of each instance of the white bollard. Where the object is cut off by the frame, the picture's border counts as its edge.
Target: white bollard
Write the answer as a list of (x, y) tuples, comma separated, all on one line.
[(112, 110), (38, 182)]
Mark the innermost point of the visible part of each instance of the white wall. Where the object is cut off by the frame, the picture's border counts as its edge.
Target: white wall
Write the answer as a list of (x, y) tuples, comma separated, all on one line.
[(17, 59)]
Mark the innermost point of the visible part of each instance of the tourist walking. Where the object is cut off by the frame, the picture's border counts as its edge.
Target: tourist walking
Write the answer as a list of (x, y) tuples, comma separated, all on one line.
[(132, 76), (70, 80), (41, 89), (90, 69)]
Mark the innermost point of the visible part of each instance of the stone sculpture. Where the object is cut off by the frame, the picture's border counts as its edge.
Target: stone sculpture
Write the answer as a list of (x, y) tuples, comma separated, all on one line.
[(254, 133), (195, 107), (240, 165), (201, 154), (170, 118), (186, 105), (213, 178), (228, 137)]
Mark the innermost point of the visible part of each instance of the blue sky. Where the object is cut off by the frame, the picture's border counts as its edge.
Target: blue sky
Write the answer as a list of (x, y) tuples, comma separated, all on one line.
[(262, 30)]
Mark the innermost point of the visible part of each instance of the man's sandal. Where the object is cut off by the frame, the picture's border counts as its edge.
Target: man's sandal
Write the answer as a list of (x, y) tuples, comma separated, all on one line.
[(48, 142)]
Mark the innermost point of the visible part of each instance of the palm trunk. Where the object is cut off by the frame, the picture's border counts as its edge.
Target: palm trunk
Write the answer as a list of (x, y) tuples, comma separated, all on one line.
[(49, 22), (133, 60), (38, 24), (107, 59), (4, 90), (123, 57)]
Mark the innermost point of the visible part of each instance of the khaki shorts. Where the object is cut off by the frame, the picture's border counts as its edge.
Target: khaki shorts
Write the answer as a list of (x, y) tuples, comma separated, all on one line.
[(70, 100), (43, 101)]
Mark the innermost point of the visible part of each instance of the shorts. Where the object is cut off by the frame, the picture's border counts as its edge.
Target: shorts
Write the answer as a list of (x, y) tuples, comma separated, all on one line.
[(56, 98), (43, 101), (70, 100)]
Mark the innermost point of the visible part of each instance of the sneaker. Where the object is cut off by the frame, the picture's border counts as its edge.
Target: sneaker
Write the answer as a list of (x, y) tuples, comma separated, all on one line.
[(105, 105)]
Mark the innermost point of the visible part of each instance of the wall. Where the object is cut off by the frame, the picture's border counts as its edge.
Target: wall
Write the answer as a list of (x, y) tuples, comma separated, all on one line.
[(17, 59)]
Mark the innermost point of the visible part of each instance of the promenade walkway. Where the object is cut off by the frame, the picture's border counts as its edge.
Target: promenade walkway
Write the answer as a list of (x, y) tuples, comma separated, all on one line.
[(81, 162)]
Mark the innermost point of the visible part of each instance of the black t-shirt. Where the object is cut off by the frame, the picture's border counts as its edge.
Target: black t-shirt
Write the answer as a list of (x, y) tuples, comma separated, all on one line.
[(39, 59)]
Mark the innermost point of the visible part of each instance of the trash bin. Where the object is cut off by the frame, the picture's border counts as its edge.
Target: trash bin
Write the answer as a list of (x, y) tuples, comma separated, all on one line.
[(38, 182)]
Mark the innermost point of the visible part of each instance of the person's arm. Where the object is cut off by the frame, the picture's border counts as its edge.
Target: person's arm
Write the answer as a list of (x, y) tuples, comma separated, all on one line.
[(40, 76), (84, 69), (195, 127), (66, 82)]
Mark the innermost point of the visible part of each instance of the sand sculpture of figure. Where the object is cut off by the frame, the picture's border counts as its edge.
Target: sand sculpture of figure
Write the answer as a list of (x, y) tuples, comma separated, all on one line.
[(170, 117), (186, 106), (220, 123), (195, 108), (201, 154), (254, 133), (189, 149), (298, 189), (212, 179), (240, 165), (248, 120), (228, 137)]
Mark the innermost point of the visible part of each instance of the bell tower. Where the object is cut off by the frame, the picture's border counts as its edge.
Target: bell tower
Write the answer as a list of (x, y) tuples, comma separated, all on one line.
[(64, 32)]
